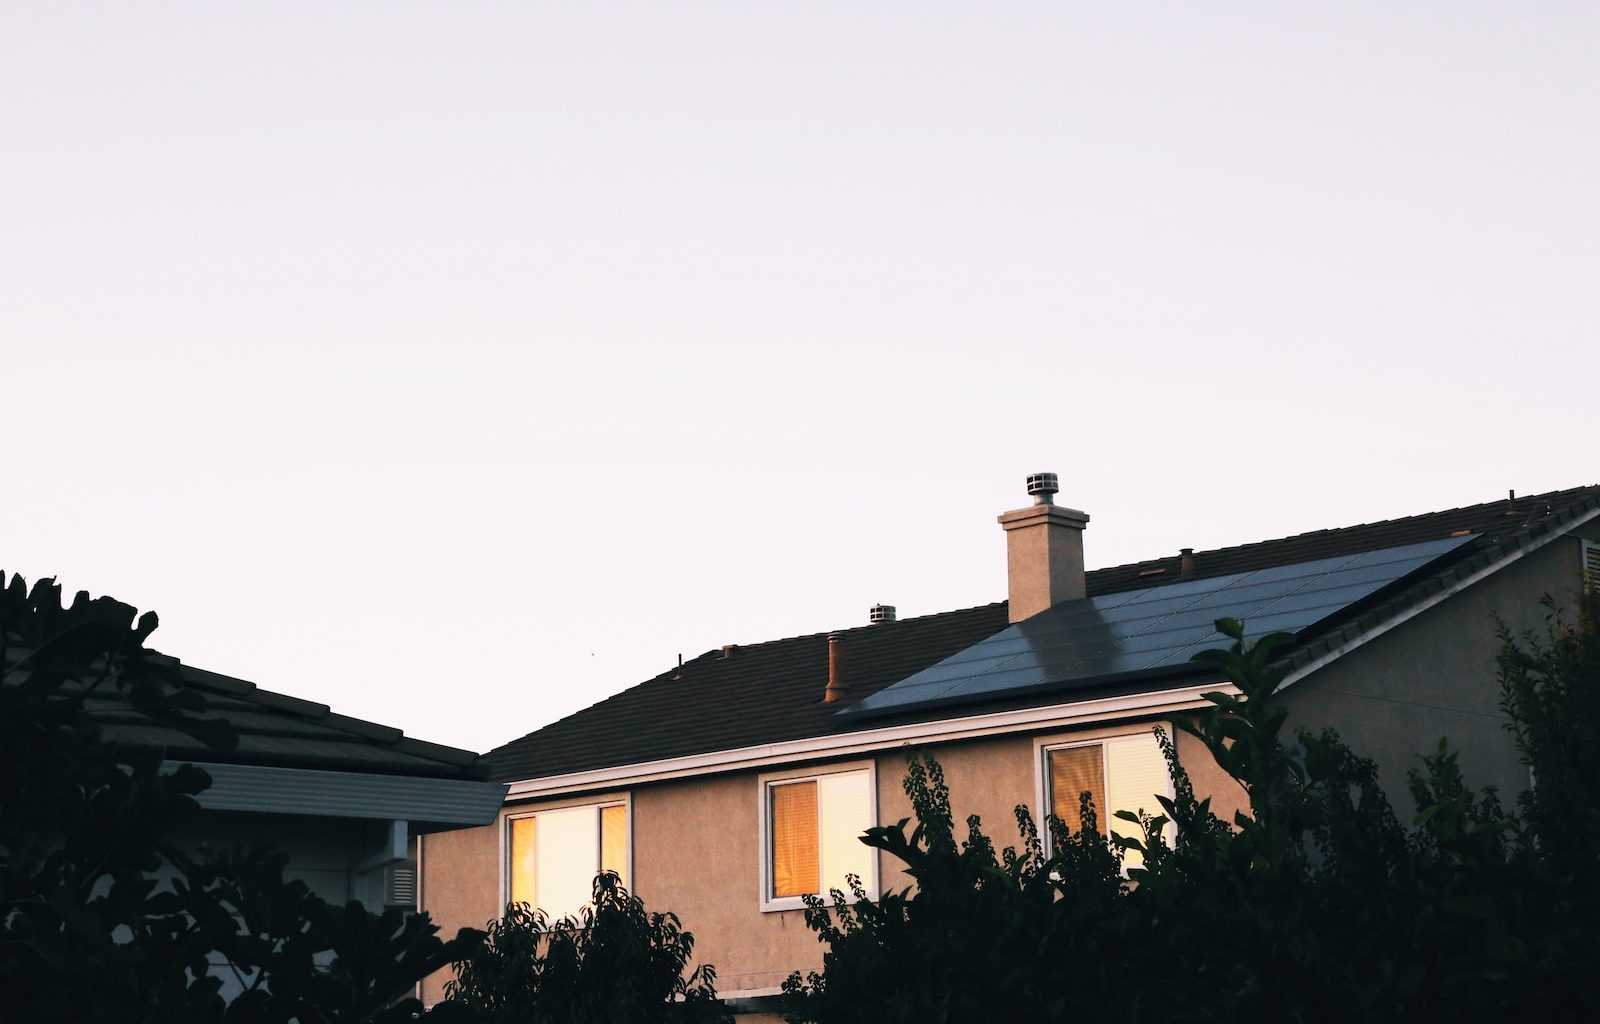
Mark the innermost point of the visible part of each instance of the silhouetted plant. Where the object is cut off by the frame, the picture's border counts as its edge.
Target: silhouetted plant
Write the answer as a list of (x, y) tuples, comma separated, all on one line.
[(1550, 690), (1316, 904), (611, 962), (86, 932)]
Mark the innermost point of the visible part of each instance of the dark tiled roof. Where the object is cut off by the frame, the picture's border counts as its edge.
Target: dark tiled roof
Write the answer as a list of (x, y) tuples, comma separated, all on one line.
[(771, 692), (283, 731), (759, 693)]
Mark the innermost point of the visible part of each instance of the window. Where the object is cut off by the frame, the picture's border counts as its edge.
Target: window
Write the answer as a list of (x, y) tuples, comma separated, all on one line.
[(1122, 773), (553, 855), (1591, 564), (811, 836)]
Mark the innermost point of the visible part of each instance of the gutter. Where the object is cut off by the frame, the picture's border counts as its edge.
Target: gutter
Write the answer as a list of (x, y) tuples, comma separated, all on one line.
[(814, 748)]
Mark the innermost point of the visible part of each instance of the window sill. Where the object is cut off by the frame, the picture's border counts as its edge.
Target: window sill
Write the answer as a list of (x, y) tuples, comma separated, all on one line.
[(788, 903)]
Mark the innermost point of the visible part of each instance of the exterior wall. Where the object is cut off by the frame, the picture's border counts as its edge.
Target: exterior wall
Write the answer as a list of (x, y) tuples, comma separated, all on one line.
[(1434, 677), (323, 853), (696, 851), (459, 879)]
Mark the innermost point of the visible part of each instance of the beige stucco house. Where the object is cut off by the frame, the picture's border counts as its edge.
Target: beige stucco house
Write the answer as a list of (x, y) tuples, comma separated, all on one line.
[(728, 787)]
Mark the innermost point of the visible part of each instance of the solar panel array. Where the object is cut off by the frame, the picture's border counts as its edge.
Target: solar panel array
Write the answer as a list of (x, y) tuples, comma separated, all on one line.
[(1098, 639)]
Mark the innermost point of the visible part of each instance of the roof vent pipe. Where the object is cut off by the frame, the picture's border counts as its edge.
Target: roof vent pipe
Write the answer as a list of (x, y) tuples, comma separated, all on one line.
[(1043, 487), (1186, 563), (837, 689), (880, 613)]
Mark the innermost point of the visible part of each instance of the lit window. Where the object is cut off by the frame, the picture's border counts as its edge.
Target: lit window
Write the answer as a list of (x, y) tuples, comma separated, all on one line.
[(554, 855), (1123, 773), (812, 828)]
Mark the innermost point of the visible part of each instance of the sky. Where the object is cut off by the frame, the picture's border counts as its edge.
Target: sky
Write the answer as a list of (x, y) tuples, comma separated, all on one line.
[(460, 364)]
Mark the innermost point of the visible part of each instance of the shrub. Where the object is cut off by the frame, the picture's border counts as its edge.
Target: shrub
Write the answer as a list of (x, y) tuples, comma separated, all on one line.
[(1315, 905), (611, 963)]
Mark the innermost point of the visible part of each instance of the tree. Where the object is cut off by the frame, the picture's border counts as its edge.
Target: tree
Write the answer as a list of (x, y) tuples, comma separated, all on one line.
[(1550, 690), (1316, 904), (86, 931), (611, 963)]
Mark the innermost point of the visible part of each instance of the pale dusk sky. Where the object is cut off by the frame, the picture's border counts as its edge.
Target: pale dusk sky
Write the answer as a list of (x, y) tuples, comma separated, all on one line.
[(460, 364)]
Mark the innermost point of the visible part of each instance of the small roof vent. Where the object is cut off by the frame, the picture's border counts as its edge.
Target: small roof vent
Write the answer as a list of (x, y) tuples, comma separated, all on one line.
[(1043, 487), (880, 613)]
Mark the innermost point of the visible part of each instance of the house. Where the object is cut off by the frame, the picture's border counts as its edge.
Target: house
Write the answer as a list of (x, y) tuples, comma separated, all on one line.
[(731, 786), (344, 799)]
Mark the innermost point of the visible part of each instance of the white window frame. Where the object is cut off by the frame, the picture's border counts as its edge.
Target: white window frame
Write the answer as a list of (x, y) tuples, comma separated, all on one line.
[(1042, 745), (773, 904), (510, 814)]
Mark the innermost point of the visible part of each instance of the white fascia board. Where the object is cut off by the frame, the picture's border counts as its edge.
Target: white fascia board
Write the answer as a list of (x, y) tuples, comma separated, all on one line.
[(269, 789), (1055, 716), (1421, 606)]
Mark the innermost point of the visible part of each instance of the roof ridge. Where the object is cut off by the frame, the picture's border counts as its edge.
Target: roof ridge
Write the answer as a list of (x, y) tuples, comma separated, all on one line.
[(849, 629), (1374, 524)]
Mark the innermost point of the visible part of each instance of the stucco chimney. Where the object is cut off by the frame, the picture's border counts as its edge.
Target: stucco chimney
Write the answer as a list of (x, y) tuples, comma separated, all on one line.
[(1044, 551)]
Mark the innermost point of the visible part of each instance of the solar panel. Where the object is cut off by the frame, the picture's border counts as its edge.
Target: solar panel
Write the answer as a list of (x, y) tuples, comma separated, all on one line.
[(1098, 639)]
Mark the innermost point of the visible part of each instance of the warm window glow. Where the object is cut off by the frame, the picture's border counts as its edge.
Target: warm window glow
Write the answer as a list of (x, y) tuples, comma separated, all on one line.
[(1073, 772), (614, 840), (1124, 773), (815, 828), (556, 854), (523, 831), (795, 864)]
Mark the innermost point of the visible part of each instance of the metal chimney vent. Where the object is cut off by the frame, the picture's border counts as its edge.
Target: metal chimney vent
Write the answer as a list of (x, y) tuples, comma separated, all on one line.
[(1043, 487), (400, 885), (880, 613)]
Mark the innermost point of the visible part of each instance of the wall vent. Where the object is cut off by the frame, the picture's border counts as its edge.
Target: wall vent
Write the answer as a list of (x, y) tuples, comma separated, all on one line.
[(400, 884), (1591, 565)]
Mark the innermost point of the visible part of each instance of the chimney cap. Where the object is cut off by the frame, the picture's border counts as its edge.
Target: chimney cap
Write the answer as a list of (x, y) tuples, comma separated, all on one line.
[(880, 613), (1043, 487)]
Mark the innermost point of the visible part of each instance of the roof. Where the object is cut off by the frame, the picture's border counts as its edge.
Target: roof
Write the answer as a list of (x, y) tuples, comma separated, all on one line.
[(772, 692), (277, 730)]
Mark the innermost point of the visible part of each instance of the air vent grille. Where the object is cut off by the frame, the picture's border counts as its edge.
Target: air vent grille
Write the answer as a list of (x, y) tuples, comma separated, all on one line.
[(1591, 565), (400, 884)]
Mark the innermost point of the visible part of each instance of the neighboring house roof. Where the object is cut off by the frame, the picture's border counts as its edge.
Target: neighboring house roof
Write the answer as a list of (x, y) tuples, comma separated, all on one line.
[(772, 692), (281, 731)]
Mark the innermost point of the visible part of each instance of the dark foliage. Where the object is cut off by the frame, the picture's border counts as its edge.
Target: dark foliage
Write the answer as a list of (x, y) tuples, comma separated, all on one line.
[(1317, 905), (101, 917), (1550, 687), (612, 963)]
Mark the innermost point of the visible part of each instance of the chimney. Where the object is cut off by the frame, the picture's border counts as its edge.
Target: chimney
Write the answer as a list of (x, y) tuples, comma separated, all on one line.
[(837, 689), (1186, 563), (1044, 551), (880, 613)]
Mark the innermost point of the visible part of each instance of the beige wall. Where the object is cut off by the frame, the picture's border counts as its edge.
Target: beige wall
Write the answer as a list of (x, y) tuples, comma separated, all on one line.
[(460, 886), (696, 852), (1434, 676)]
